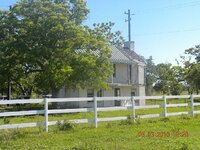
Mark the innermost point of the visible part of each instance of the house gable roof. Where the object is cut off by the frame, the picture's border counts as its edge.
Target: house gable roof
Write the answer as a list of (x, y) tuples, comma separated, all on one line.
[(124, 55), (118, 56)]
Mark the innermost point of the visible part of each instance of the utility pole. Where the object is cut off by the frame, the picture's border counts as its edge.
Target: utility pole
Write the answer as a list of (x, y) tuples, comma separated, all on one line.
[(9, 80), (129, 24)]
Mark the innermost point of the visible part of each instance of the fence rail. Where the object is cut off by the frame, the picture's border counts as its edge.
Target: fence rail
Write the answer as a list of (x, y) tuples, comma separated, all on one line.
[(95, 109)]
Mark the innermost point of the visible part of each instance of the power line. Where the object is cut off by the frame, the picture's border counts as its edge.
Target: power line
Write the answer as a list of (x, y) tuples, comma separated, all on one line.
[(169, 32), (170, 7)]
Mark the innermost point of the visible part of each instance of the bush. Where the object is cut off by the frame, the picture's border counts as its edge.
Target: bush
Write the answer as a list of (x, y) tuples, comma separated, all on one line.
[(129, 121), (65, 126)]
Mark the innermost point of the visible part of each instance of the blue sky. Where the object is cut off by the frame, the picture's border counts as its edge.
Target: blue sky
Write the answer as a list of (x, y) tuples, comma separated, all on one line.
[(160, 28)]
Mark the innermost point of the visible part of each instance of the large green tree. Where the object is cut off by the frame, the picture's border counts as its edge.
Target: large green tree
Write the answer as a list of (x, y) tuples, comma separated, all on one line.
[(192, 69), (169, 79), (9, 64), (46, 46), (150, 75), (105, 29), (164, 76)]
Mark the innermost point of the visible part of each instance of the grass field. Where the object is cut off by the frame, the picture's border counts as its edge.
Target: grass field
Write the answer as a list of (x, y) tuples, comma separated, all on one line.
[(179, 132)]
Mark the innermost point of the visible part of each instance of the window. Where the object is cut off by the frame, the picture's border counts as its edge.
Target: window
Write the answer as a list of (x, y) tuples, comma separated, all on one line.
[(117, 93), (132, 93), (130, 69), (90, 92), (114, 70), (100, 93)]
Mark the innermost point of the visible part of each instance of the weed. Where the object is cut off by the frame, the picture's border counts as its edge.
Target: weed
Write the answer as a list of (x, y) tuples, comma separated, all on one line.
[(175, 129), (15, 134), (6, 120), (87, 146), (65, 125), (185, 117), (11, 135), (184, 147), (129, 121), (165, 119), (108, 125), (152, 121), (138, 121), (40, 129)]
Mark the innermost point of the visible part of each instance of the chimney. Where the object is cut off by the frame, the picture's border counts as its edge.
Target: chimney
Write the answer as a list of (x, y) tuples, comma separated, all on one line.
[(129, 45)]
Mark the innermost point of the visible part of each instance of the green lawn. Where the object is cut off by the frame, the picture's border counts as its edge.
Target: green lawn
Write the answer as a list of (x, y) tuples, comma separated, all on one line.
[(178, 132), (143, 134)]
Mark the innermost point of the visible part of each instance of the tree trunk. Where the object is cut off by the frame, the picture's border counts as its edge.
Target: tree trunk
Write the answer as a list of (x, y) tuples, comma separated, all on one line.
[(9, 89)]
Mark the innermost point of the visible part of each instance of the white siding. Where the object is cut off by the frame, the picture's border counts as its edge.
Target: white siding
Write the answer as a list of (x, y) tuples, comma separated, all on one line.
[(121, 74), (68, 93), (134, 73), (108, 93), (126, 91), (141, 91), (141, 75)]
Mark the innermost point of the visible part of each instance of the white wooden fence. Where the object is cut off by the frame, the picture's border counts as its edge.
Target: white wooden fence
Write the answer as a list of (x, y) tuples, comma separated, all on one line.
[(95, 109)]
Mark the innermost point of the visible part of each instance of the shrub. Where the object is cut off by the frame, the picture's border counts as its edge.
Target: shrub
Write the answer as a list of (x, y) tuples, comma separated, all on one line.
[(129, 121), (65, 125)]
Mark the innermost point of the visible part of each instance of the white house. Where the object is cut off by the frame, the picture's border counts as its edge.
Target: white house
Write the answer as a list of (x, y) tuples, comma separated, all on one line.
[(128, 79)]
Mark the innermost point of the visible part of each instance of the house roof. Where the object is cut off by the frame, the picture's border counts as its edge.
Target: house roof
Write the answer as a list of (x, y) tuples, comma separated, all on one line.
[(132, 55), (118, 56), (124, 55)]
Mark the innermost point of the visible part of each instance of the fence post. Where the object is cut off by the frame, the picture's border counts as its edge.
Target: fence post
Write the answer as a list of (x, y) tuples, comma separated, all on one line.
[(165, 106), (95, 112), (192, 105), (133, 108), (46, 113)]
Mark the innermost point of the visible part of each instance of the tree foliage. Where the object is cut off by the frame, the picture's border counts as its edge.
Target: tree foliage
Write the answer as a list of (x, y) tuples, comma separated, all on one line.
[(150, 75), (44, 46), (192, 69), (105, 29), (163, 77), (173, 80)]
